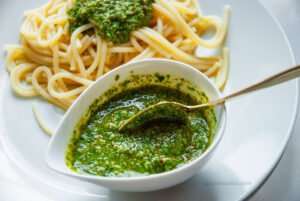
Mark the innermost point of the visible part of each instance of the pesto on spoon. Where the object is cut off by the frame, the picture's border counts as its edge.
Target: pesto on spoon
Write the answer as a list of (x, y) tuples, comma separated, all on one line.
[(174, 110)]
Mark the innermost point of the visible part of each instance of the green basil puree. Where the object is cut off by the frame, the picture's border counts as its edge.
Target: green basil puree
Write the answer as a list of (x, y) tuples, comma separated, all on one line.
[(157, 146), (115, 19)]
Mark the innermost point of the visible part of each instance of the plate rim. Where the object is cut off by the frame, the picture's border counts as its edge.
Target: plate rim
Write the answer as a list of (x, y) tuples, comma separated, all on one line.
[(257, 185), (9, 149)]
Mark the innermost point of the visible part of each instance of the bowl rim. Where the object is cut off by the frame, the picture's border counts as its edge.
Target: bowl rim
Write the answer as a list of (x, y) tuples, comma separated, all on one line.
[(217, 137)]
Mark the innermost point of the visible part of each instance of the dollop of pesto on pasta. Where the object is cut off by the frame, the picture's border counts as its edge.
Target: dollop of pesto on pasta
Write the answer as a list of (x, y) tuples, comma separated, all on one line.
[(115, 19)]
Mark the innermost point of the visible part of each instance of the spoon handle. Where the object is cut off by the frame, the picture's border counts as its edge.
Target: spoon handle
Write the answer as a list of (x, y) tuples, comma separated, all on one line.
[(278, 78)]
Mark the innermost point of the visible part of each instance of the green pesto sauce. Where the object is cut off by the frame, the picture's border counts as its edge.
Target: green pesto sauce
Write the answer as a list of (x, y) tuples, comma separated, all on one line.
[(115, 19), (98, 148)]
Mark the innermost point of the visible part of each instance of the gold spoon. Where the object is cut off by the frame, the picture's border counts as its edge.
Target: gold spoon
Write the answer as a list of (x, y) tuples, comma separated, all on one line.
[(174, 110)]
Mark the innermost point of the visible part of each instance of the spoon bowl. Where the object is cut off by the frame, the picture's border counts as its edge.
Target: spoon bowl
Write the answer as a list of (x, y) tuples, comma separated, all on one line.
[(59, 142), (162, 110)]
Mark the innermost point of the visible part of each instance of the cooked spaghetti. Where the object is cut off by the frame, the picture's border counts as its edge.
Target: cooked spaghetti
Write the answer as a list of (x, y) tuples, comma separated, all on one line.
[(59, 65)]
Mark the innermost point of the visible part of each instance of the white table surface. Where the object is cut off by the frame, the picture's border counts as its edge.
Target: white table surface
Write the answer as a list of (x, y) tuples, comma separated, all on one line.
[(282, 184)]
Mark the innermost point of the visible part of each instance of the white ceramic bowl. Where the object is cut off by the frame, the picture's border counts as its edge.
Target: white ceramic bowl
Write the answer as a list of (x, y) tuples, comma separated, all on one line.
[(60, 139)]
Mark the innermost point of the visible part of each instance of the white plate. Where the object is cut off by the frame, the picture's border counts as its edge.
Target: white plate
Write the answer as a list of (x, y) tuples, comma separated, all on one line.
[(257, 132)]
